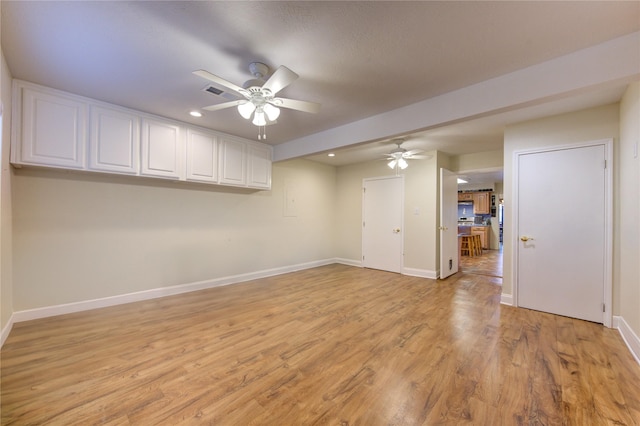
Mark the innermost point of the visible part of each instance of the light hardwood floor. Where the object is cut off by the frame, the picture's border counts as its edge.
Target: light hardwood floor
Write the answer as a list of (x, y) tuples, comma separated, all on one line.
[(332, 345)]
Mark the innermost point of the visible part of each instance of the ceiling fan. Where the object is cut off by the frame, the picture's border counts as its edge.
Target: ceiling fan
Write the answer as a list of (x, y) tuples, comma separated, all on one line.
[(259, 96), (398, 157)]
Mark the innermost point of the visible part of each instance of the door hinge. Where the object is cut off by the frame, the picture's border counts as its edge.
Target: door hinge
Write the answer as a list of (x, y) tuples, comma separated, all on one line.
[(605, 164), (363, 223), (363, 258), (604, 308), (364, 189)]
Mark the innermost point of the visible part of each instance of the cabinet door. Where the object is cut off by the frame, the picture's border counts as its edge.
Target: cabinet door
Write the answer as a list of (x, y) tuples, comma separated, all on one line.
[(483, 231), (162, 149), (481, 203), (202, 156), (260, 166), (114, 141), (232, 164), (53, 130)]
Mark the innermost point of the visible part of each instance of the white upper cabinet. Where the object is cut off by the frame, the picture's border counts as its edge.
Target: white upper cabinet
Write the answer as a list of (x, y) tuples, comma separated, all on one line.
[(114, 142), (162, 149), (232, 164), (202, 156), (52, 130), (57, 129), (259, 166)]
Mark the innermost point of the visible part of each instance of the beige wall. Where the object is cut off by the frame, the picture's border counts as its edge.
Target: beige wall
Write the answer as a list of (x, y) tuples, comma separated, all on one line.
[(6, 285), (627, 251), (420, 236), (79, 237), (581, 126), (478, 161)]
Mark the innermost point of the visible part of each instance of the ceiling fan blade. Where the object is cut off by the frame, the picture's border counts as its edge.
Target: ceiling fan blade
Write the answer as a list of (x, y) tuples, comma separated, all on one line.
[(304, 106), (221, 81), (224, 105), (412, 152), (280, 79)]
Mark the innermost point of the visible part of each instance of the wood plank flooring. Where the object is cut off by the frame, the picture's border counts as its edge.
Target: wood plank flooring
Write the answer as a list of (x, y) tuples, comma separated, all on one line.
[(333, 345)]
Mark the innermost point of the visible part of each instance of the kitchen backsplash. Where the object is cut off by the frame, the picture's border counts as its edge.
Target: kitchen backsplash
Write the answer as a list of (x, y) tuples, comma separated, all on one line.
[(467, 212)]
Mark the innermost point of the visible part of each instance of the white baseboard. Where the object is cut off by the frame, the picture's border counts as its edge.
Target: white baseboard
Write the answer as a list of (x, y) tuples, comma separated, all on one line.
[(104, 302), (422, 273), (629, 337), (348, 262), (506, 299), (6, 330)]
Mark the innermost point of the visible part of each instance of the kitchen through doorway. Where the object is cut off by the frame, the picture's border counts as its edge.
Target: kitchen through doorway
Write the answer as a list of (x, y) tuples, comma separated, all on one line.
[(480, 224)]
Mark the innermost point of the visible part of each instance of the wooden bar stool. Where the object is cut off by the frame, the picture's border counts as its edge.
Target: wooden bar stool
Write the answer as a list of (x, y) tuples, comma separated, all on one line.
[(466, 246), (477, 245)]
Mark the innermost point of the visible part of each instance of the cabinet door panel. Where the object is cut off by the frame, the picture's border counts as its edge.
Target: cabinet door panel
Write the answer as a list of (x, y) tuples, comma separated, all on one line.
[(202, 157), (115, 141), (233, 162), (53, 130), (259, 167), (162, 149)]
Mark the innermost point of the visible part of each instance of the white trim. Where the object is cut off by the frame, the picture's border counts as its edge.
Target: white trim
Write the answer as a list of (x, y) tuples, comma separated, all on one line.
[(422, 273), (630, 338), (348, 262), (506, 299), (6, 330), (85, 305), (608, 266)]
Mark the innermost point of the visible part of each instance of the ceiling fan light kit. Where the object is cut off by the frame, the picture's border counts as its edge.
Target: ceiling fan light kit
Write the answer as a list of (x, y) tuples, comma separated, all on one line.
[(399, 156), (259, 96)]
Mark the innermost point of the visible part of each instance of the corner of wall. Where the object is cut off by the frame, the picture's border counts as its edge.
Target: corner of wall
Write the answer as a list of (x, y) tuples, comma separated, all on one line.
[(6, 282)]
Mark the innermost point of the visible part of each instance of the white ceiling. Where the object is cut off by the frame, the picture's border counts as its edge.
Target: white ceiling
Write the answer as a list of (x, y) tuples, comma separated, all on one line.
[(358, 59)]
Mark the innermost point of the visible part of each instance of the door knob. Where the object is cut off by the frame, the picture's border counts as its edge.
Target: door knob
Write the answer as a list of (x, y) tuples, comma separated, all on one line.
[(396, 230), (525, 238)]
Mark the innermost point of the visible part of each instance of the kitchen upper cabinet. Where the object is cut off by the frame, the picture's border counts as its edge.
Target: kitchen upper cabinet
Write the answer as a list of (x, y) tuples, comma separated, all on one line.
[(202, 156), (259, 166), (465, 196), (114, 141), (232, 162), (50, 129), (481, 202), (163, 151)]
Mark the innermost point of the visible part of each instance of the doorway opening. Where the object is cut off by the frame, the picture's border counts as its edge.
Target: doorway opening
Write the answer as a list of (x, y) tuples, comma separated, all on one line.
[(481, 216)]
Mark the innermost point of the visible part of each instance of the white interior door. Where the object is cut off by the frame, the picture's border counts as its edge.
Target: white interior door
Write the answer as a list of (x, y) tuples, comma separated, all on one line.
[(382, 223), (562, 229), (448, 223)]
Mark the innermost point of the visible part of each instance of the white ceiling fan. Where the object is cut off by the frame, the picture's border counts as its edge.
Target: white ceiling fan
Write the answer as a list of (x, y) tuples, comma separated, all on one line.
[(399, 156), (259, 96)]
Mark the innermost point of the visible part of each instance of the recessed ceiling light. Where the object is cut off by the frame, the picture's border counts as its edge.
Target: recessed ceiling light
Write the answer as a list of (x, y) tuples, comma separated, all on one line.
[(331, 154), (195, 113)]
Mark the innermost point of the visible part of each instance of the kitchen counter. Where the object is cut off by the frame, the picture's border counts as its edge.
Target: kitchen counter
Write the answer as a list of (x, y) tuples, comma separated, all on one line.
[(483, 230)]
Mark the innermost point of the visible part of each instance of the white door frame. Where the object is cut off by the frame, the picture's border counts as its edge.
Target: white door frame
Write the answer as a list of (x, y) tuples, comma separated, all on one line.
[(608, 264)]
